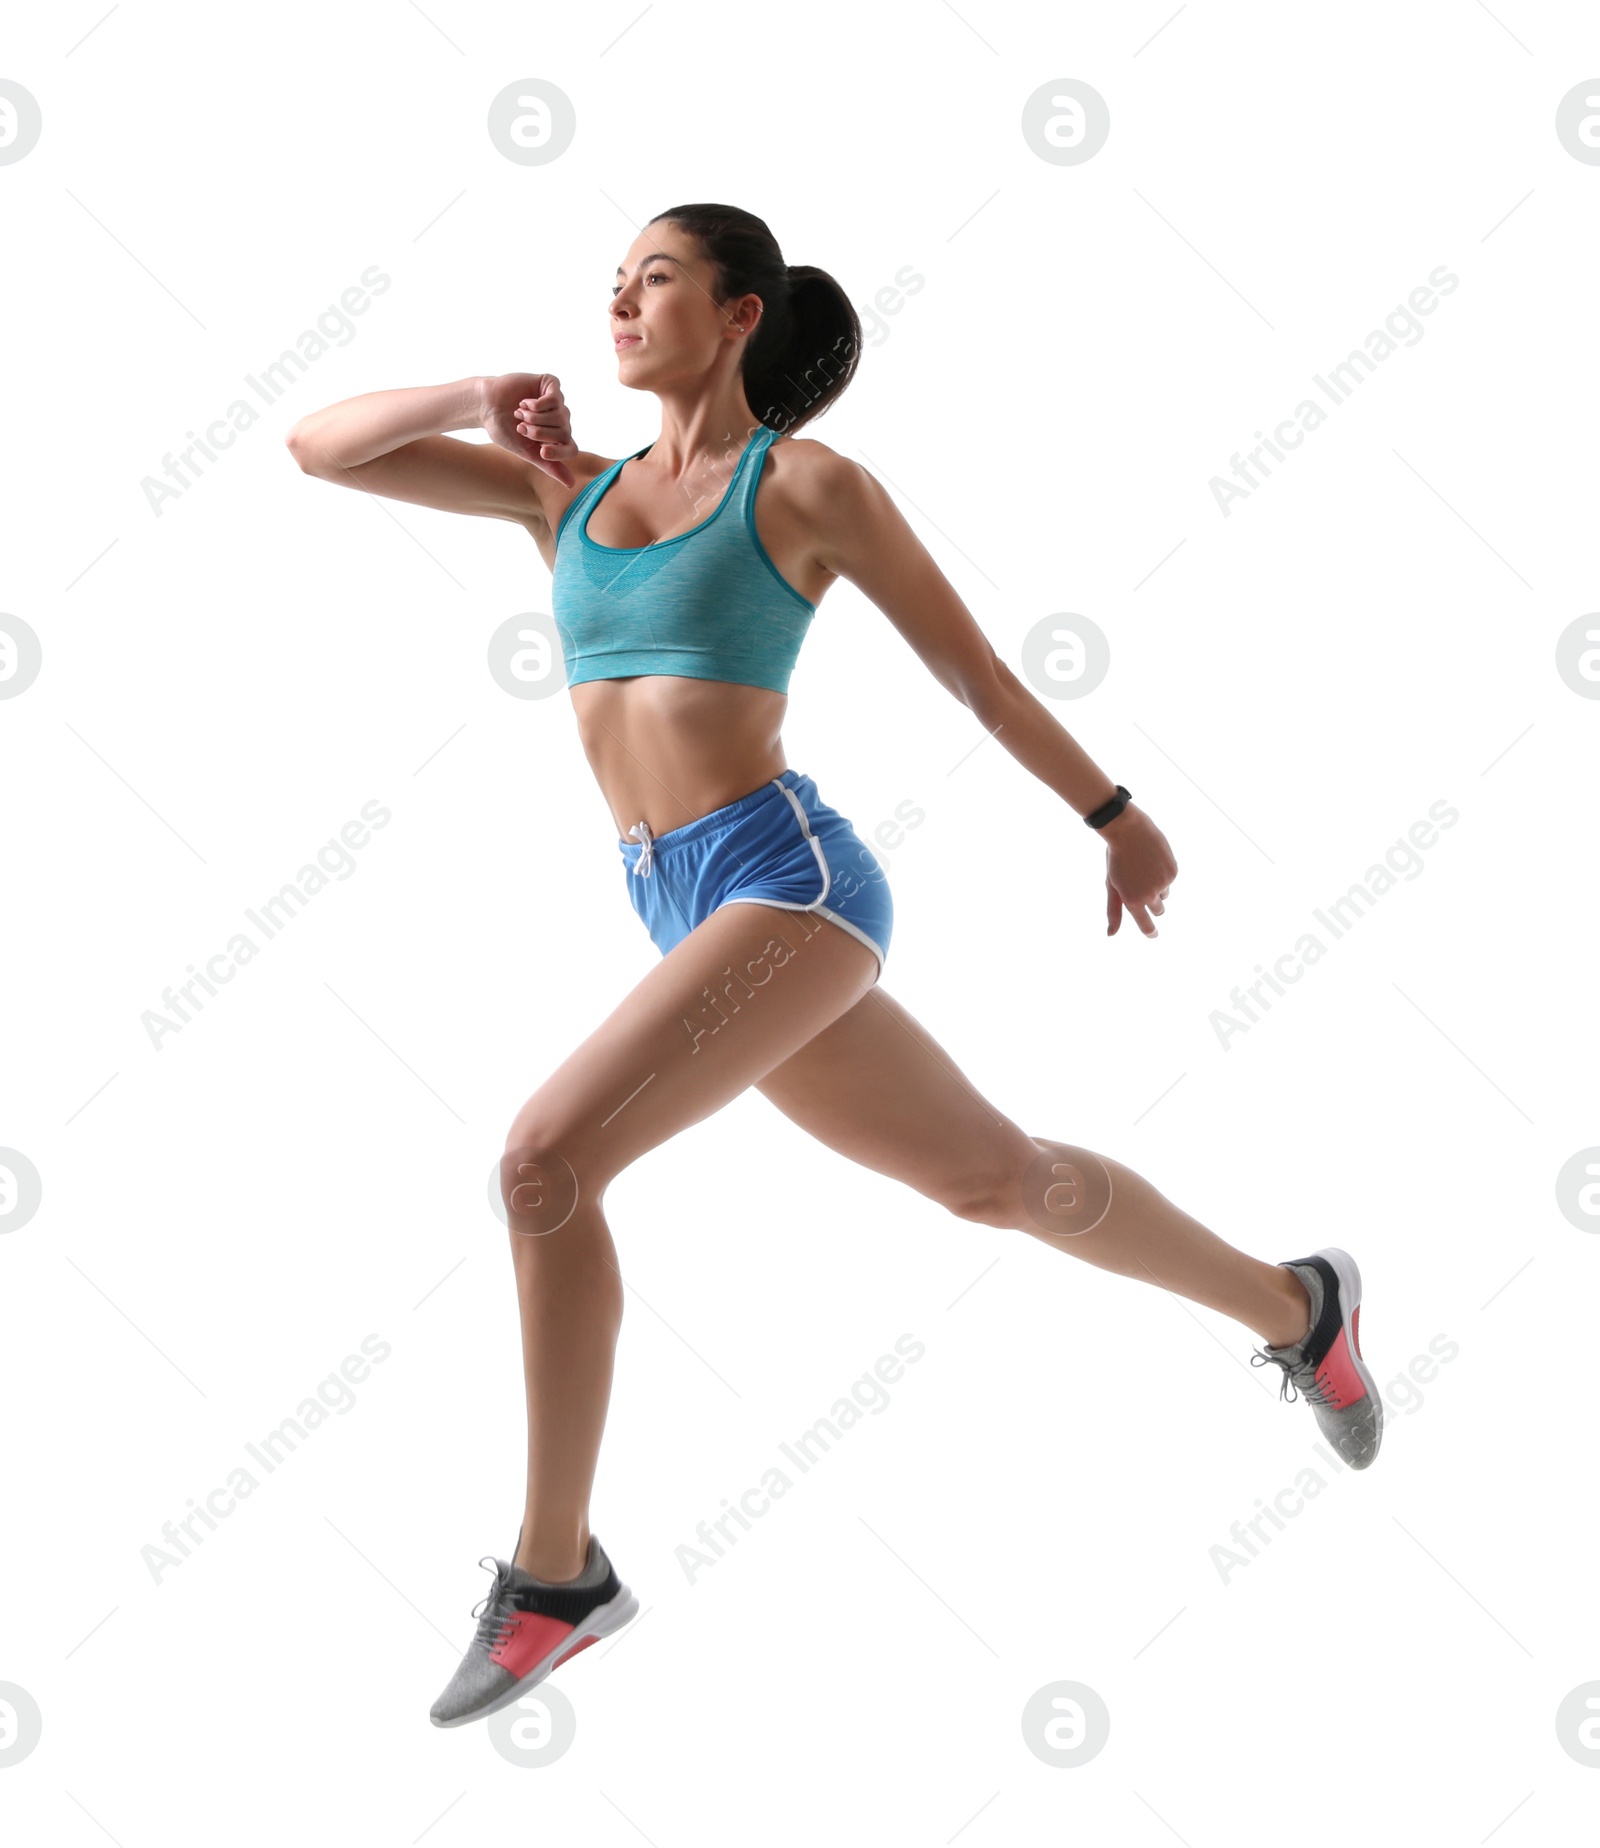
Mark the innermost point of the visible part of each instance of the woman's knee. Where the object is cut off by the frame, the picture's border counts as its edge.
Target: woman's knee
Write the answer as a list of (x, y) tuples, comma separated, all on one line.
[(1063, 1191), (986, 1186), (547, 1169), (1032, 1185), (984, 1199)]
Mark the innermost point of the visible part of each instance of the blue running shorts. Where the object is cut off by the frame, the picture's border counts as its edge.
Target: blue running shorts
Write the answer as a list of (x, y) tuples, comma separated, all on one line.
[(781, 845)]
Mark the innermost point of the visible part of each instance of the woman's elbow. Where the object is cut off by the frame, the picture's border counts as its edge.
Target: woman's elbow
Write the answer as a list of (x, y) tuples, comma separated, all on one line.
[(302, 443), (987, 686)]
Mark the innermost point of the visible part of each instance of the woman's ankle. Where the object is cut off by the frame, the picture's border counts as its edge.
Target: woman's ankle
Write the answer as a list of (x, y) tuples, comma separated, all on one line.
[(1295, 1311), (553, 1559)]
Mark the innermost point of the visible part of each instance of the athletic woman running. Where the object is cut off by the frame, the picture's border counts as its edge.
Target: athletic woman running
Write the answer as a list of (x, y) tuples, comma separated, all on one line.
[(684, 578)]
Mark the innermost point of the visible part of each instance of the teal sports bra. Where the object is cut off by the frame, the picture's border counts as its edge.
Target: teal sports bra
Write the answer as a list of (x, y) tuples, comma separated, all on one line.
[(708, 604)]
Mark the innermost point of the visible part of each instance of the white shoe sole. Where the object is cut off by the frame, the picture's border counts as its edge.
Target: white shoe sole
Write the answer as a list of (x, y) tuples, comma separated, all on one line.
[(1349, 1276)]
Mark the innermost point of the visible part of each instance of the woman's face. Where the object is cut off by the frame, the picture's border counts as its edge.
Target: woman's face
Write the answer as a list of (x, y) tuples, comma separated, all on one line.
[(664, 324)]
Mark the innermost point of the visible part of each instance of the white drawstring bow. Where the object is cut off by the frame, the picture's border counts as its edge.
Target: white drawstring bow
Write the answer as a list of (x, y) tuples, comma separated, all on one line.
[(642, 865)]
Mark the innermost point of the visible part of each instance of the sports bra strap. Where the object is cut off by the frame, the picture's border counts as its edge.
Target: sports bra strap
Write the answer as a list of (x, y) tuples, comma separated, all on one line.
[(754, 451)]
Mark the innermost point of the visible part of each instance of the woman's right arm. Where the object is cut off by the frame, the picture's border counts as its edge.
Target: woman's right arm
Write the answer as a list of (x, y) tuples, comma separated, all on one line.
[(392, 443)]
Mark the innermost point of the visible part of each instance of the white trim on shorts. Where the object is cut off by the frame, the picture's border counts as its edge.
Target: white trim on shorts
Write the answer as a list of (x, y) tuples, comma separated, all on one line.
[(816, 905), (817, 910), (816, 846)]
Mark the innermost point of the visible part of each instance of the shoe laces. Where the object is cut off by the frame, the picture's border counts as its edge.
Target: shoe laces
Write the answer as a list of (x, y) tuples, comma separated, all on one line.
[(493, 1610), (1296, 1373)]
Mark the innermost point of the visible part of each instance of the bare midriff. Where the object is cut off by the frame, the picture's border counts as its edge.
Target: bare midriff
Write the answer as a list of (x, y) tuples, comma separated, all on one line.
[(667, 749)]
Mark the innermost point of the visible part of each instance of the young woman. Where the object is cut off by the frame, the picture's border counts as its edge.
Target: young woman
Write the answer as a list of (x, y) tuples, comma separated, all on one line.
[(684, 578)]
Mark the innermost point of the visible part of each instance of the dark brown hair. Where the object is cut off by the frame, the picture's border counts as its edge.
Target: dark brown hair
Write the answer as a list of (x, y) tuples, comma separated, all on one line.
[(808, 340)]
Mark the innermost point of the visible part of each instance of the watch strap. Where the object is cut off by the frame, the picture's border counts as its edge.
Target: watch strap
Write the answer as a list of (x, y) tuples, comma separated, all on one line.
[(1109, 811)]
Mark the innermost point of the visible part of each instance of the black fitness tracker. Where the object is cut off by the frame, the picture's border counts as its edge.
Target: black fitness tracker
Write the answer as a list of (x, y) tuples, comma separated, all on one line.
[(1109, 811)]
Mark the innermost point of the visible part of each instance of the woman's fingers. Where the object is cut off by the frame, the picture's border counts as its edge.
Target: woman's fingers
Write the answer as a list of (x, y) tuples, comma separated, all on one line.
[(546, 426), (1138, 909), (1142, 863)]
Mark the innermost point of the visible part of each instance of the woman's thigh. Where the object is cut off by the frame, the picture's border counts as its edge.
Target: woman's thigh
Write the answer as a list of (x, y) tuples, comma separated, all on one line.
[(740, 994), (877, 1086)]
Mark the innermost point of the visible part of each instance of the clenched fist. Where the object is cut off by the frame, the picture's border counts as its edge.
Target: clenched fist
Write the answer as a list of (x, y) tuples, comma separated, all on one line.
[(526, 413)]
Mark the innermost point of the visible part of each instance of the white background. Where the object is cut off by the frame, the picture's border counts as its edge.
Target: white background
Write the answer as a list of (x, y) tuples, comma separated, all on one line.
[(1292, 686)]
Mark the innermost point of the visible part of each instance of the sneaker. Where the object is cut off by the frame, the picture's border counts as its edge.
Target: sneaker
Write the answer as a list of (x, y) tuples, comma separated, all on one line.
[(529, 1627), (1326, 1364)]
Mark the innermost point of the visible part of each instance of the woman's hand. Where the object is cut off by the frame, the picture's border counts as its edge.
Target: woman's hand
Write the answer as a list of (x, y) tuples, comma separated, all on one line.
[(1140, 869), (526, 413)]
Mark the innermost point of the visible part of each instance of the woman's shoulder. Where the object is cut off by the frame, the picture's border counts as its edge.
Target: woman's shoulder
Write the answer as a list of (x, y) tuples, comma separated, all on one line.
[(809, 475), (587, 467), (808, 470), (807, 452), (556, 498)]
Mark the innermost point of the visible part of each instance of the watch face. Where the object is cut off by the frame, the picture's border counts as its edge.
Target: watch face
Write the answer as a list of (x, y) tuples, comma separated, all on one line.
[(1115, 804)]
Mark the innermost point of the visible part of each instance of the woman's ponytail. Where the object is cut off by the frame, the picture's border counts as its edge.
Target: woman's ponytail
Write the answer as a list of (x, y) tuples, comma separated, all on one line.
[(808, 341)]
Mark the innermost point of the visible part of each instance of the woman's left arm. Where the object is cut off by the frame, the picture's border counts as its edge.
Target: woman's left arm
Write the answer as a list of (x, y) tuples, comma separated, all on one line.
[(863, 536)]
